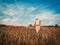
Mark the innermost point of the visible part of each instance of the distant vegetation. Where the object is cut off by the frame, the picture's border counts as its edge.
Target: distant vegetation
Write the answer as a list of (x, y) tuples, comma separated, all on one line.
[(30, 25), (2, 25)]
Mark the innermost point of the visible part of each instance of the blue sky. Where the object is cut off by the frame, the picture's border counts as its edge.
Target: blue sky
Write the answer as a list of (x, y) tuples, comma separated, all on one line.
[(24, 12)]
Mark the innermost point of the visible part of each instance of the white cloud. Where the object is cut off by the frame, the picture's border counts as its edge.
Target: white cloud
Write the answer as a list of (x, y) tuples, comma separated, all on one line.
[(30, 9), (47, 17), (13, 22), (9, 21), (6, 20), (9, 12), (18, 10)]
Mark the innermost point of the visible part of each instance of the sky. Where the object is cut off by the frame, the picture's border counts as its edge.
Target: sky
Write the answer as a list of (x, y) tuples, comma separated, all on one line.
[(24, 12)]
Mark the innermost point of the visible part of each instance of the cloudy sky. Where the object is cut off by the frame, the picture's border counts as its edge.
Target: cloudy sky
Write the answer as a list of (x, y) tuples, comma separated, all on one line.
[(24, 12)]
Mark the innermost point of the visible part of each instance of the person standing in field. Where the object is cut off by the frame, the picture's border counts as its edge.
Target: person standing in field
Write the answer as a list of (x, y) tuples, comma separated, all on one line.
[(37, 25)]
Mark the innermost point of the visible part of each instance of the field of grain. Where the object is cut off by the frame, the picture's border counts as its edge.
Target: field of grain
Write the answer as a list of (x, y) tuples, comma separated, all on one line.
[(10, 35)]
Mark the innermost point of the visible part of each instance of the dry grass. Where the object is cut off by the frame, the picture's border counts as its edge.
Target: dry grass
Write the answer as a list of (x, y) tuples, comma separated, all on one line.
[(10, 35)]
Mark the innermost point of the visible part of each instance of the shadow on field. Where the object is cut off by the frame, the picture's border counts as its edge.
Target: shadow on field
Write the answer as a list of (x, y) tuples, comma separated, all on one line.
[(28, 36)]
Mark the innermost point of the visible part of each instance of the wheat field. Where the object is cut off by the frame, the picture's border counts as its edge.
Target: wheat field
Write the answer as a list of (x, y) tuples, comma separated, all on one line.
[(10, 35)]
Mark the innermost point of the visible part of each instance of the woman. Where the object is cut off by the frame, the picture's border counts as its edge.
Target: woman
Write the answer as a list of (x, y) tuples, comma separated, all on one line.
[(37, 25)]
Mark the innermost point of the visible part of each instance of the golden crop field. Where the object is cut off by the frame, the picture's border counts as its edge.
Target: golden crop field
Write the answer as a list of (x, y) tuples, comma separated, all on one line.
[(10, 35)]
